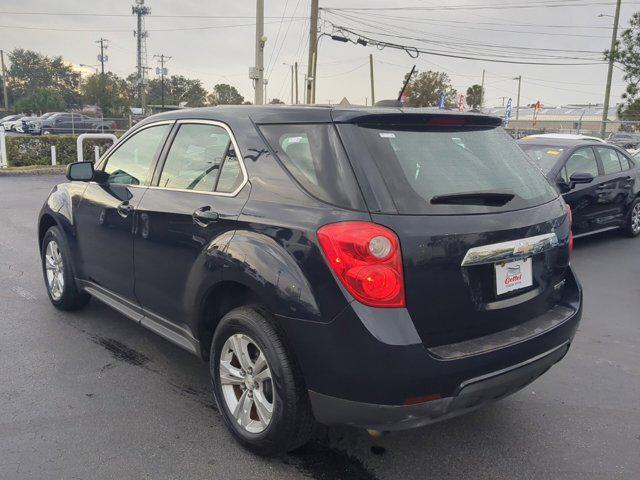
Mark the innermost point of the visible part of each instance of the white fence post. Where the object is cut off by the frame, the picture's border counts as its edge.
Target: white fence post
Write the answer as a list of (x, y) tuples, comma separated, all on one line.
[(54, 160), (96, 152), (79, 154), (4, 162)]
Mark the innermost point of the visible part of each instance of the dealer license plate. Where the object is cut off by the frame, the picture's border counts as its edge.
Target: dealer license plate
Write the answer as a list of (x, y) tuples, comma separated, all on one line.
[(512, 276)]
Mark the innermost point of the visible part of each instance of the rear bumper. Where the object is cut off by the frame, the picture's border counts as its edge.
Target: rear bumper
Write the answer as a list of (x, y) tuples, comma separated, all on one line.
[(358, 376), (470, 394)]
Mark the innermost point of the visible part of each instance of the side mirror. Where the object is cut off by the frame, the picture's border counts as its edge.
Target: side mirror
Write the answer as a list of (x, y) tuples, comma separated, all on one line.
[(579, 177), (80, 171)]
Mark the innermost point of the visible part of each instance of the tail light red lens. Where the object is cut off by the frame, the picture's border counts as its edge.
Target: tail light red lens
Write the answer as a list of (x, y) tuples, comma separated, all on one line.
[(570, 218), (366, 257)]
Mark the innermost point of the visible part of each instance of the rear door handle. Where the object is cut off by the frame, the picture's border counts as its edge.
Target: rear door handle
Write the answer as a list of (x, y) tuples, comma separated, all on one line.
[(204, 216), (124, 209)]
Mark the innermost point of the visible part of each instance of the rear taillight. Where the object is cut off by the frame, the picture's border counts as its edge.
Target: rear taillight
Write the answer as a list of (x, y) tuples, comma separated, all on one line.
[(570, 218), (366, 258)]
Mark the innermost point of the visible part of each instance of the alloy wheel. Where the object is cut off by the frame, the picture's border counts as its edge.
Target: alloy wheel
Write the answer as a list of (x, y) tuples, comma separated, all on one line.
[(54, 267), (247, 384), (635, 218)]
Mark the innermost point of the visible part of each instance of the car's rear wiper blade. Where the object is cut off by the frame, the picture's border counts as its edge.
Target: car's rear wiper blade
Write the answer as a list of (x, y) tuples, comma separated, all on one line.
[(491, 199)]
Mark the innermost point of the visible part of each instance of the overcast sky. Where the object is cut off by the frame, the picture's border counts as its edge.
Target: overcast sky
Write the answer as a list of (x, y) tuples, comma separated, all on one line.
[(220, 50)]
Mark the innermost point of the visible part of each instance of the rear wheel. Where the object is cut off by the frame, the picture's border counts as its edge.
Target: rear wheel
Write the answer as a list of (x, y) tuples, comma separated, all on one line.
[(58, 274), (632, 224), (258, 387)]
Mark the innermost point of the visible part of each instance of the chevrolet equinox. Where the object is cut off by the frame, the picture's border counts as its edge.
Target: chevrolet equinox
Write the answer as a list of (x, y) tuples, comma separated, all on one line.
[(383, 268)]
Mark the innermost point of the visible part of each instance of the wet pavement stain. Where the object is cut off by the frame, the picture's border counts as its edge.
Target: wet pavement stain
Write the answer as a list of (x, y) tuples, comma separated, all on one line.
[(203, 397), (322, 462), (121, 352)]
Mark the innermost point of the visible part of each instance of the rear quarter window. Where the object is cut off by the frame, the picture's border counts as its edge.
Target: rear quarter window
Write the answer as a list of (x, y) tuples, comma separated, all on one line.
[(314, 156)]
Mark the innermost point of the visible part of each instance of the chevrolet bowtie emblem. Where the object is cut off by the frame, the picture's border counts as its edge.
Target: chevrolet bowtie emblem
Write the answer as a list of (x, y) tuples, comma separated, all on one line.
[(522, 248)]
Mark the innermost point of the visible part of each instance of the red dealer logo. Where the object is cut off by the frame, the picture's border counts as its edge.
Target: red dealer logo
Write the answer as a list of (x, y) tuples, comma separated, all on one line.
[(514, 275)]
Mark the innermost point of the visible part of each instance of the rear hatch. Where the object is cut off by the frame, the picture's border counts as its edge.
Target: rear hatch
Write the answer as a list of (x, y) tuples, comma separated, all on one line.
[(484, 236)]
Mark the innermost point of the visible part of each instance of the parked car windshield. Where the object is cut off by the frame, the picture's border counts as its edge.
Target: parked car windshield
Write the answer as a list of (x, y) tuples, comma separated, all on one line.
[(442, 170), (544, 156)]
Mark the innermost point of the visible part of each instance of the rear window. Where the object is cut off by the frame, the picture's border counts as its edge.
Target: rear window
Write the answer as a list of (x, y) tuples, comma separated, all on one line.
[(314, 156), (422, 164), (544, 156)]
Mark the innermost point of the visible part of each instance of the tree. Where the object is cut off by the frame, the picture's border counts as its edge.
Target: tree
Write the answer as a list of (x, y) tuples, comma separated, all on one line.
[(177, 90), (112, 93), (31, 71), (627, 53), (224, 94), (425, 88), (276, 101), (475, 94), (40, 100)]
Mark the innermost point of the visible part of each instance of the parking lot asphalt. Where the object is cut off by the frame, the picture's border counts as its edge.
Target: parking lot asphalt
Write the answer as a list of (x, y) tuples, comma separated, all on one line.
[(91, 395)]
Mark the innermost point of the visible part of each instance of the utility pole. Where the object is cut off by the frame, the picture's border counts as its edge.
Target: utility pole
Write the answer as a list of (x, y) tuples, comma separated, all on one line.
[(102, 58), (607, 92), (292, 85), (373, 95), (519, 78), (258, 73), (162, 58), (265, 90), (295, 65), (140, 10), (313, 46), (482, 90), (4, 81)]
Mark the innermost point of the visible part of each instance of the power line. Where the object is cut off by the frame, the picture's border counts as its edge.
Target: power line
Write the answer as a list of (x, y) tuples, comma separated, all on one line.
[(108, 30), (414, 52), (92, 14), (501, 6)]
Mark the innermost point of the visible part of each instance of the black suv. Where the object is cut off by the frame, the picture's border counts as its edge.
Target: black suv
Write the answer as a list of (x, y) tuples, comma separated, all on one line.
[(600, 182), (382, 268)]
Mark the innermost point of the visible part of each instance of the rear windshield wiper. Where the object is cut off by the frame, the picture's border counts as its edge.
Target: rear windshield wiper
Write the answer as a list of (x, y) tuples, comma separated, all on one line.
[(490, 199)]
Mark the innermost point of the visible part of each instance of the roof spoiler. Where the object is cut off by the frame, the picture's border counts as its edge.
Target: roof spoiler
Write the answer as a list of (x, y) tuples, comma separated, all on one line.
[(388, 103)]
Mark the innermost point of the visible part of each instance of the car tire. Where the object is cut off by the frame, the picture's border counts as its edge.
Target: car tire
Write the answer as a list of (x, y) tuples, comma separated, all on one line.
[(290, 423), (632, 223), (58, 272)]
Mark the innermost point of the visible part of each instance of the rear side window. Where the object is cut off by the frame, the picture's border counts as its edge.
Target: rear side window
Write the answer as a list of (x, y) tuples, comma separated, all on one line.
[(610, 160), (580, 161), (422, 165), (314, 156), (194, 159)]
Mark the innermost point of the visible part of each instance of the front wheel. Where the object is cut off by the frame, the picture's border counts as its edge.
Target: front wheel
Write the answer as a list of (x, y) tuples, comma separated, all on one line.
[(58, 272), (257, 385), (632, 224)]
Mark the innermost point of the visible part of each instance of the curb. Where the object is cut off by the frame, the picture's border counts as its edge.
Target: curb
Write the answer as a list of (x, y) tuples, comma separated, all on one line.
[(8, 172)]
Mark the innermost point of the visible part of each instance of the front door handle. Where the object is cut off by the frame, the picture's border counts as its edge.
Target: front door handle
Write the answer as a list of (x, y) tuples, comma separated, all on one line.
[(204, 216), (124, 209)]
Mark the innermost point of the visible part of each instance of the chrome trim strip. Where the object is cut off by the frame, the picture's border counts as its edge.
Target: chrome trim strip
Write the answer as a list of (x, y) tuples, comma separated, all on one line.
[(511, 250)]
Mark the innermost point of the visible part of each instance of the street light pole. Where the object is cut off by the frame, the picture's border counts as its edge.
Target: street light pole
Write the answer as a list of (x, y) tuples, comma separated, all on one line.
[(607, 92)]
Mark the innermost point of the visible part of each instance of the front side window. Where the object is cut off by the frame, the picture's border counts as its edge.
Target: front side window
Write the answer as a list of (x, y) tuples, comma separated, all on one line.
[(130, 164), (202, 158), (580, 161), (610, 160)]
